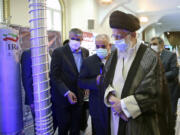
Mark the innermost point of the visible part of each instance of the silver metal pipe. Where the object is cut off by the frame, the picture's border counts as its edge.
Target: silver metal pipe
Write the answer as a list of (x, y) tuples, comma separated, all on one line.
[(40, 67), (178, 119)]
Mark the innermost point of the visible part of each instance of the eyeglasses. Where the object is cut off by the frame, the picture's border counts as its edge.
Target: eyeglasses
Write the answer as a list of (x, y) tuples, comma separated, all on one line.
[(100, 46), (153, 44), (116, 36), (120, 36), (77, 39)]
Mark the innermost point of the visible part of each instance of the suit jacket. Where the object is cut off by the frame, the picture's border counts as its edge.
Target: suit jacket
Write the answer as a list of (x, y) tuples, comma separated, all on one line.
[(90, 69), (143, 82), (64, 75), (169, 61), (27, 80)]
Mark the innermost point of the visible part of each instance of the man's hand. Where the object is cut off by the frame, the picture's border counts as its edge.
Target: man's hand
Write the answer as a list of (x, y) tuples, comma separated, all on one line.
[(72, 98), (117, 109), (98, 79), (86, 93), (123, 116), (115, 104), (32, 106), (113, 100)]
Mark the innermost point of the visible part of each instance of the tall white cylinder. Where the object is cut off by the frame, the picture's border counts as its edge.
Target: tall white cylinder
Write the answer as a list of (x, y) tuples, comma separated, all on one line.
[(40, 67), (11, 116)]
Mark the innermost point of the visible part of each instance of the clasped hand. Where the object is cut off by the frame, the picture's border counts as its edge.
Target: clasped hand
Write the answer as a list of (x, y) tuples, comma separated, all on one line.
[(116, 107), (72, 98)]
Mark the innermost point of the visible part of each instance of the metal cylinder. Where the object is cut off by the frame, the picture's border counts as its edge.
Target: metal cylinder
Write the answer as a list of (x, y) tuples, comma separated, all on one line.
[(11, 116), (40, 67), (178, 119)]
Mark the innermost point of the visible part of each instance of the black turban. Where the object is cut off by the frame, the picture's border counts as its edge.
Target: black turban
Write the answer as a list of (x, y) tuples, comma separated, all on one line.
[(121, 20)]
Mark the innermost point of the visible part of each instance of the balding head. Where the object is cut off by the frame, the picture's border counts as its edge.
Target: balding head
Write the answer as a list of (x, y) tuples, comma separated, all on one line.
[(102, 39)]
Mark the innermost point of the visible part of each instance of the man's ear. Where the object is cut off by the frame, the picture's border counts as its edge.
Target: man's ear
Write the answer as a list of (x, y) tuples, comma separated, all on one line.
[(133, 34), (162, 46)]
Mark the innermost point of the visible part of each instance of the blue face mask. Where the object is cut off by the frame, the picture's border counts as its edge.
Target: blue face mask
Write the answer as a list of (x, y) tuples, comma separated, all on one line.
[(101, 53), (121, 45)]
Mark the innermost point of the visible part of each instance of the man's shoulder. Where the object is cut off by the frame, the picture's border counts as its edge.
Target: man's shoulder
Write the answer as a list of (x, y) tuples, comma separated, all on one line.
[(26, 53), (91, 58), (167, 52), (85, 50), (149, 59), (59, 49), (149, 51)]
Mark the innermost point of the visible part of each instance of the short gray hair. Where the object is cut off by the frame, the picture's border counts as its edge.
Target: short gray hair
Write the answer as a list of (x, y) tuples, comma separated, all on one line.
[(76, 31), (103, 37), (160, 40)]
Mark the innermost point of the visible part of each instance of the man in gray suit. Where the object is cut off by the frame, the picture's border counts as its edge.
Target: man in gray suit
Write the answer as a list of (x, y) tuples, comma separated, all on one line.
[(169, 61)]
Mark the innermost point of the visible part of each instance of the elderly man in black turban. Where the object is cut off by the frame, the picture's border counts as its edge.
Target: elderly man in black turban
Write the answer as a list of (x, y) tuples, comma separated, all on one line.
[(132, 82)]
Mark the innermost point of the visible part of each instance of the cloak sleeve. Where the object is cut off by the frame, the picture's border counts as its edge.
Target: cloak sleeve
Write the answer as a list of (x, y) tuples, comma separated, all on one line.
[(144, 96), (146, 93), (131, 107)]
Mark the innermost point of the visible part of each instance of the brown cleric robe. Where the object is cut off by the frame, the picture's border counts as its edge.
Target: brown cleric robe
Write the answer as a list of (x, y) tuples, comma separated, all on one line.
[(145, 81)]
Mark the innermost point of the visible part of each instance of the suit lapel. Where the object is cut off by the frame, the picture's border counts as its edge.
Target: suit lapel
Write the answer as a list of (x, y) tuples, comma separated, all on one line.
[(83, 53), (70, 57), (97, 60)]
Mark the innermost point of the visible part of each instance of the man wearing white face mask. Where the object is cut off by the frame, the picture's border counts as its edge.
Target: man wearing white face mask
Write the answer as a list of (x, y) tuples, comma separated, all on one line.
[(169, 61), (131, 82), (68, 97), (91, 70)]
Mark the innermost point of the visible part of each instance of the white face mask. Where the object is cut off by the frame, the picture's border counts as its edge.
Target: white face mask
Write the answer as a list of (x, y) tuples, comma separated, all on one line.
[(121, 45), (74, 45), (101, 53), (155, 48)]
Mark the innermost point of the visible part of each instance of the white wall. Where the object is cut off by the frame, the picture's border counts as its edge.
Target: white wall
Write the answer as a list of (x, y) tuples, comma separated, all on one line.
[(149, 33), (78, 12), (19, 12)]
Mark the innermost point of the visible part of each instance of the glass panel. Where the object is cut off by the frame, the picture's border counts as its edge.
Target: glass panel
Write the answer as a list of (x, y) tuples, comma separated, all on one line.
[(53, 4), (57, 21), (49, 20)]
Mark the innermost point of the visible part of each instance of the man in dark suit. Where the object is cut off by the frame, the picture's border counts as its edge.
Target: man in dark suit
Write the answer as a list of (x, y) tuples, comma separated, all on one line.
[(91, 69), (68, 97), (169, 61), (27, 81)]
